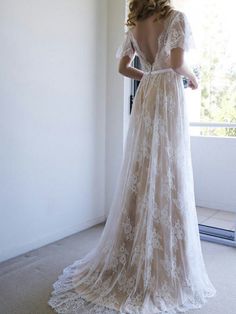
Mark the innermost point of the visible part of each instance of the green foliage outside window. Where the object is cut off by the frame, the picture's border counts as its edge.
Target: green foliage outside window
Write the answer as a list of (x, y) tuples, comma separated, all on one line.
[(218, 76)]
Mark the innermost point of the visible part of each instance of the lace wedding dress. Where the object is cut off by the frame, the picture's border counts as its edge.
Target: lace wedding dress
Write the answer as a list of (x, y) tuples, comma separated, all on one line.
[(148, 258)]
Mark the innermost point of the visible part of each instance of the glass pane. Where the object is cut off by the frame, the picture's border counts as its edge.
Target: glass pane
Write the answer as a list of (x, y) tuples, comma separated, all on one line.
[(213, 27)]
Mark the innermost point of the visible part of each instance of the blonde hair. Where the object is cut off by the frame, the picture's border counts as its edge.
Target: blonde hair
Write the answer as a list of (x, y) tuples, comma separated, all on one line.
[(142, 9)]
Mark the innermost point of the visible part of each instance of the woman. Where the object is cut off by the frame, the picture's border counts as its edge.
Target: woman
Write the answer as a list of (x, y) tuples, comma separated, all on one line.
[(148, 259)]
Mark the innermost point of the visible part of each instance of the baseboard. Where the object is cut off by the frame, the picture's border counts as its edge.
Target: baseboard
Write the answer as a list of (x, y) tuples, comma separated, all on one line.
[(49, 238)]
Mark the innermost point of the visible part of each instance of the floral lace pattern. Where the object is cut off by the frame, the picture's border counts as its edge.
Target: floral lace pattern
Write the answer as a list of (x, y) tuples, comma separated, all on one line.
[(148, 258)]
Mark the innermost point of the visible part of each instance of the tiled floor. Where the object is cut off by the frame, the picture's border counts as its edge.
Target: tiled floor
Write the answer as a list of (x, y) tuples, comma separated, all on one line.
[(217, 218)]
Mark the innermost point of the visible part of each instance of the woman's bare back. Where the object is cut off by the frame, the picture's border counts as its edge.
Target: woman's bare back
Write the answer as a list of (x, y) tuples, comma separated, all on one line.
[(147, 33)]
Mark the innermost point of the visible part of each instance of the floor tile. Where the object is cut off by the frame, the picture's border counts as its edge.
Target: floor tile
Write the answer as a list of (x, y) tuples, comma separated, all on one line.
[(208, 212), (219, 223), (201, 218), (225, 215)]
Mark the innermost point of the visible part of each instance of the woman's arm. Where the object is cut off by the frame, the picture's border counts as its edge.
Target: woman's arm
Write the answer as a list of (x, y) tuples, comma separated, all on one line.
[(178, 64), (129, 71)]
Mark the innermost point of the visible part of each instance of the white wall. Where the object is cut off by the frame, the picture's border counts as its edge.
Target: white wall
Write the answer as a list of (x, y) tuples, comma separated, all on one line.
[(115, 111), (52, 120), (214, 172)]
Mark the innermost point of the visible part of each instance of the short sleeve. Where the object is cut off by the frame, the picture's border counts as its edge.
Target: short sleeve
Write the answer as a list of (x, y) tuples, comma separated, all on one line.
[(126, 48), (180, 33)]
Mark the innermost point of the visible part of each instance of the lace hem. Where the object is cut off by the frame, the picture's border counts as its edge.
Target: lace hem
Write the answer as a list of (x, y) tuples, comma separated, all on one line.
[(65, 300)]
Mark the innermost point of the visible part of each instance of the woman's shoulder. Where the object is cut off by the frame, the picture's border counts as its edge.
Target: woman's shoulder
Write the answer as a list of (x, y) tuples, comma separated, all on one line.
[(175, 13), (180, 14), (176, 16), (129, 29)]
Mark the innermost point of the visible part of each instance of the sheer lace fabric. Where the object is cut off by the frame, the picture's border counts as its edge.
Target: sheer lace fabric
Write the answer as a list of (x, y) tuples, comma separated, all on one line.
[(148, 258)]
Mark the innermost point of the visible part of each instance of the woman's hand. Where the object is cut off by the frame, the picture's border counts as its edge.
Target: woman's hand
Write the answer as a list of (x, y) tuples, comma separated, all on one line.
[(193, 83), (178, 64)]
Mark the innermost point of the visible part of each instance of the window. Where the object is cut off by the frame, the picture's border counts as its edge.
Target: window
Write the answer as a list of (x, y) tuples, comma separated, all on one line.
[(212, 108)]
